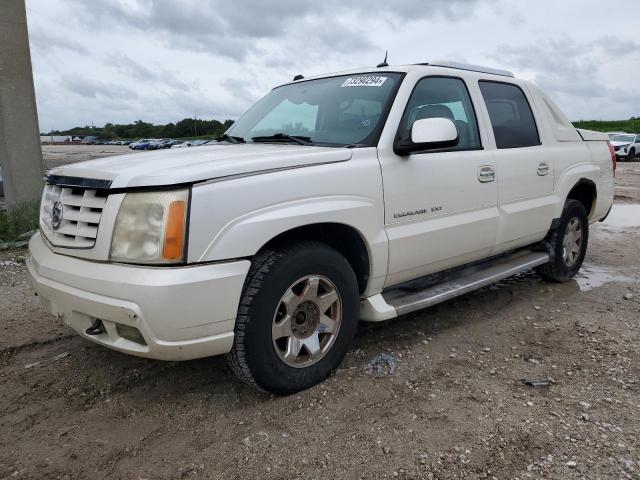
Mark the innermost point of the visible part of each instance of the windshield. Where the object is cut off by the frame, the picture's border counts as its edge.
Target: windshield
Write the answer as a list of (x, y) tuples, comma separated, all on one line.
[(335, 111), (622, 138)]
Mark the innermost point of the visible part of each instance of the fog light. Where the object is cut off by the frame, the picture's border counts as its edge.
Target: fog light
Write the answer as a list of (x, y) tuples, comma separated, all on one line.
[(130, 333)]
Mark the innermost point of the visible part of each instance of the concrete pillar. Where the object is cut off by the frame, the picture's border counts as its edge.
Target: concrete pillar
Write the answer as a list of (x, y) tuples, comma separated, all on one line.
[(20, 152)]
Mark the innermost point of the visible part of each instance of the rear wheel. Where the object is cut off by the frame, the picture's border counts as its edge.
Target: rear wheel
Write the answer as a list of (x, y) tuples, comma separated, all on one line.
[(297, 317), (567, 245)]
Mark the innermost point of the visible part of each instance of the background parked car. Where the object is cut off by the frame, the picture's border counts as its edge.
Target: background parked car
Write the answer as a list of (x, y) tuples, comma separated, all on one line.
[(142, 144), (168, 143), (627, 146), (155, 144), (181, 144)]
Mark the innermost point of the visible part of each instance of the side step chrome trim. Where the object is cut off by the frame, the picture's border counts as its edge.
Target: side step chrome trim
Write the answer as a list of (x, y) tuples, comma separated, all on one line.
[(403, 301)]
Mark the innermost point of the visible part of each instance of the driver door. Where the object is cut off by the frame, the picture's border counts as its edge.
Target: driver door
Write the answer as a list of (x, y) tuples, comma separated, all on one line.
[(440, 205)]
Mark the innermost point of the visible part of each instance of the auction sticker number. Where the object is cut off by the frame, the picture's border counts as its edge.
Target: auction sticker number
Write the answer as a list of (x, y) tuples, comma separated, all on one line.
[(367, 81)]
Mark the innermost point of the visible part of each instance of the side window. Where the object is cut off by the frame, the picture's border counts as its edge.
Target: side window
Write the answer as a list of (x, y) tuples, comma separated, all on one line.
[(443, 97), (511, 117)]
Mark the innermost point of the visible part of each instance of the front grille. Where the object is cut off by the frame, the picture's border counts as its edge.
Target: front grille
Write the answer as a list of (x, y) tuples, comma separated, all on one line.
[(81, 214)]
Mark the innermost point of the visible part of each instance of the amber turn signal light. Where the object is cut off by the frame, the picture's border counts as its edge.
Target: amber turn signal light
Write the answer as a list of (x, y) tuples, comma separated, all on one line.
[(173, 248)]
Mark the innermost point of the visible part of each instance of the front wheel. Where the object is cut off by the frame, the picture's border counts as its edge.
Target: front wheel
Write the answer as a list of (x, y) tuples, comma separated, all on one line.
[(567, 245), (632, 155), (297, 317)]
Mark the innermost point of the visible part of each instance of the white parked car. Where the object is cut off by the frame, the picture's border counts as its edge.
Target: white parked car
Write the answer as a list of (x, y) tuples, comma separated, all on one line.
[(181, 144), (627, 146), (333, 199)]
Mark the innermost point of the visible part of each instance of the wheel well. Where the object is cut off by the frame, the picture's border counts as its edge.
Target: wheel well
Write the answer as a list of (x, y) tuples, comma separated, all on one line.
[(585, 192), (345, 239)]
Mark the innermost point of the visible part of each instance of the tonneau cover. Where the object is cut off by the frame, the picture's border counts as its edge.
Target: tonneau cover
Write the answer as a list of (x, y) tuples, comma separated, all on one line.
[(591, 136)]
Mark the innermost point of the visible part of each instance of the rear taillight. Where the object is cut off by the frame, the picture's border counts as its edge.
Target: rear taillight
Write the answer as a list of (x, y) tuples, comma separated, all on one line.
[(613, 157)]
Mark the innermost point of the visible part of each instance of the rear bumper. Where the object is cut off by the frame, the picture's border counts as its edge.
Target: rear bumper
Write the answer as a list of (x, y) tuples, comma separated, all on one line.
[(181, 312)]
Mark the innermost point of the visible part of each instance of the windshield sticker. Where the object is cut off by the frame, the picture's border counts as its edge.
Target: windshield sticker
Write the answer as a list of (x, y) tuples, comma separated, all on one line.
[(368, 81)]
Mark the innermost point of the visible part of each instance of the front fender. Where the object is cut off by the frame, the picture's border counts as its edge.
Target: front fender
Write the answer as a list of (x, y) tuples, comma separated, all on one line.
[(245, 235), (236, 218)]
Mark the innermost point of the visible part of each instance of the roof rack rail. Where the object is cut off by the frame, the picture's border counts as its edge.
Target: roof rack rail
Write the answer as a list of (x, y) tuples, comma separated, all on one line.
[(472, 68)]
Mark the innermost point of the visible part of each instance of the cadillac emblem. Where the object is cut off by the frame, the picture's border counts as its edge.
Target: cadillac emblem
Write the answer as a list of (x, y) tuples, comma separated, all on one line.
[(56, 215)]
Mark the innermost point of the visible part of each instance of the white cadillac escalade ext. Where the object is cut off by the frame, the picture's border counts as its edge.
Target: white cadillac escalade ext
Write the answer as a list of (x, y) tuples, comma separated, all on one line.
[(358, 195)]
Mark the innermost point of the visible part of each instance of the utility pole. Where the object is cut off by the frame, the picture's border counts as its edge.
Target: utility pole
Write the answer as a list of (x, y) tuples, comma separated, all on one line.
[(20, 151)]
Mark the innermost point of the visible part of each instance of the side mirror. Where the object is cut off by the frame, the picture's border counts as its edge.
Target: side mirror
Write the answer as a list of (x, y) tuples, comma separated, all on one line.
[(428, 133)]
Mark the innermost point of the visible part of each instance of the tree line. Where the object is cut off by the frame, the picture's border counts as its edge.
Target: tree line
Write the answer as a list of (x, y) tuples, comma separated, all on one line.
[(190, 128), (185, 128), (630, 126)]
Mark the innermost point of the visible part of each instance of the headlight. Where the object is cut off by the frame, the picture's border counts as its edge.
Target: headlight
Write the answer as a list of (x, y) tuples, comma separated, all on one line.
[(151, 228)]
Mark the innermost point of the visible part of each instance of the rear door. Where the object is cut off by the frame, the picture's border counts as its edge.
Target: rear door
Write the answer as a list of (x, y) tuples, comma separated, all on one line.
[(525, 173)]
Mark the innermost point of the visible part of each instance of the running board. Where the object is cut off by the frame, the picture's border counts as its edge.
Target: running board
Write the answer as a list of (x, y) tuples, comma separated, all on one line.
[(404, 298)]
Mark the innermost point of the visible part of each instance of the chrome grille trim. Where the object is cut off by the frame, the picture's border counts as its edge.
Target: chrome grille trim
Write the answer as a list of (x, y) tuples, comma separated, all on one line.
[(82, 212)]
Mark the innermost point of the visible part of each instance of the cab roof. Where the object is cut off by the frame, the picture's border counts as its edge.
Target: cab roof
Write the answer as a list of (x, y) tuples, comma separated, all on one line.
[(415, 66)]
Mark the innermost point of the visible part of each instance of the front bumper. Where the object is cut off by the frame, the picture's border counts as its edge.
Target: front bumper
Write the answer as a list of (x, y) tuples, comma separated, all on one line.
[(181, 312)]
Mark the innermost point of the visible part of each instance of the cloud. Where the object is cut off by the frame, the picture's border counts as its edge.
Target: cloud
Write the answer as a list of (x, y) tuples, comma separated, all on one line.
[(234, 30), (45, 42), (571, 72), (160, 60), (91, 88), (138, 71), (133, 69), (612, 45)]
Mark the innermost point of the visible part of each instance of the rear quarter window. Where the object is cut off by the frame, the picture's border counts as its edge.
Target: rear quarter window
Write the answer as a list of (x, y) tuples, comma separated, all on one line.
[(511, 117)]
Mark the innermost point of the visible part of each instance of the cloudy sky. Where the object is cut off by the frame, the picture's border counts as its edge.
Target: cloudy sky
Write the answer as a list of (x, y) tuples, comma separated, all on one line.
[(104, 61)]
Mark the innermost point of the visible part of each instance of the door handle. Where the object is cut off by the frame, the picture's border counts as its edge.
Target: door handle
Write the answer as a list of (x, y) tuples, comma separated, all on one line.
[(486, 173), (543, 168)]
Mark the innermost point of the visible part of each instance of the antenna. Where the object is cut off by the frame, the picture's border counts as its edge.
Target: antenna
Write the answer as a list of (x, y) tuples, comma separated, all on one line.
[(384, 62), (298, 77)]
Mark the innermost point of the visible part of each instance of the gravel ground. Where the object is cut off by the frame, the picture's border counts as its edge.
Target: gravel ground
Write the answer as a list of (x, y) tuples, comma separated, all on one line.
[(56, 155), (455, 406)]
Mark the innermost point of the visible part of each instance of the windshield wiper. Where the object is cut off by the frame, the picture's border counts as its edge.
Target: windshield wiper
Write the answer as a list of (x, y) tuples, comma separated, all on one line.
[(284, 136), (230, 139)]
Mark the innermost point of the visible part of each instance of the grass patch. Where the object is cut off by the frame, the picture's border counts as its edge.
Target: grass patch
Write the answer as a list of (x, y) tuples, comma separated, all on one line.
[(631, 126), (18, 220)]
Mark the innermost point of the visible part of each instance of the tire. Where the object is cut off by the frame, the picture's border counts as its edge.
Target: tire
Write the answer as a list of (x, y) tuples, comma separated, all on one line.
[(267, 363), (564, 264), (631, 156)]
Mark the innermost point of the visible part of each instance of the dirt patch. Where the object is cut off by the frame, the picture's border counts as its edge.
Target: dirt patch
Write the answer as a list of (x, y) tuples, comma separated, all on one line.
[(455, 406), (627, 181), (56, 155)]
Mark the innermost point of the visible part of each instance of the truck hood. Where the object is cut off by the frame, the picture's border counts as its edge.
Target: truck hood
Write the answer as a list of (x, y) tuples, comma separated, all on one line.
[(194, 164)]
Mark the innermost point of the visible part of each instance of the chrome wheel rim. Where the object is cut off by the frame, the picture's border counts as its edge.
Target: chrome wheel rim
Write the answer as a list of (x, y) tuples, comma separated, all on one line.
[(572, 242), (306, 321)]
